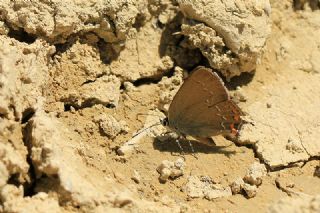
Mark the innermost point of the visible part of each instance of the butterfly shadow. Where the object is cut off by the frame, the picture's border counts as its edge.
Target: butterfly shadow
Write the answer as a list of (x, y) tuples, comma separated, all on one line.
[(242, 80), (172, 146)]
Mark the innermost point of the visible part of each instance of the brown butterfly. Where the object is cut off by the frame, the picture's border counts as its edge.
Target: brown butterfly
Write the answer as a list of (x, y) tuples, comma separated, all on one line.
[(202, 108)]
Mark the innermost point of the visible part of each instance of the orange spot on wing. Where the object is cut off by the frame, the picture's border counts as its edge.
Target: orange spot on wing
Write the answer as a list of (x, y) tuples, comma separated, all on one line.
[(237, 120), (234, 131), (236, 116)]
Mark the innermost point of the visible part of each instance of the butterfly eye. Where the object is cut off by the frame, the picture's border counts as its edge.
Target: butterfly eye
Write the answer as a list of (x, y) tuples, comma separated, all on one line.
[(165, 122)]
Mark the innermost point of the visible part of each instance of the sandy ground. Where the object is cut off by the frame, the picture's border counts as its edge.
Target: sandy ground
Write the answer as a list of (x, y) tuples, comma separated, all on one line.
[(78, 79)]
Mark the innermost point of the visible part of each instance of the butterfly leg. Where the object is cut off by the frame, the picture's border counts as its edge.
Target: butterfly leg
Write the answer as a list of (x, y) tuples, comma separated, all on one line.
[(181, 149), (192, 149), (179, 145), (190, 145)]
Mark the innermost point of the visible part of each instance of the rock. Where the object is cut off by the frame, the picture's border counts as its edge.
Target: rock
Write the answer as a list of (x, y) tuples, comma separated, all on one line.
[(249, 184), (13, 201), (104, 90), (280, 138), (54, 154), (205, 188), (168, 169), (217, 191), (23, 74), (179, 163), (170, 87), (302, 203), (250, 190), (136, 176), (4, 29), (10, 192), (137, 60), (12, 162), (110, 126), (72, 18), (210, 44), (255, 174), (4, 174), (129, 87), (231, 36), (237, 185), (194, 187)]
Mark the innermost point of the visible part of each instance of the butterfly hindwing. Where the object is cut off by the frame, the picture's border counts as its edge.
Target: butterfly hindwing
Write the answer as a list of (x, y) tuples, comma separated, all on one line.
[(202, 106)]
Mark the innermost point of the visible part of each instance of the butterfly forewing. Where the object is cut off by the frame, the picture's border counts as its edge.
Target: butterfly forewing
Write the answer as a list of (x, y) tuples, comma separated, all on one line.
[(201, 86)]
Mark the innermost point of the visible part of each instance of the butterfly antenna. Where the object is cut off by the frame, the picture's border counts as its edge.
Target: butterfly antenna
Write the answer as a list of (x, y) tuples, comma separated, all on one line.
[(149, 114), (144, 129)]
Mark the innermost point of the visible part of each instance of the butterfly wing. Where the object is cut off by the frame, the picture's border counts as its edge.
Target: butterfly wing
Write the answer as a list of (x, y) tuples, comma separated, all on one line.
[(222, 118), (202, 106)]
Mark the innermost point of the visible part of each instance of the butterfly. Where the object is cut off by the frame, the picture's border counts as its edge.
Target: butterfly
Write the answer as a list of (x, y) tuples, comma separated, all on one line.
[(202, 108)]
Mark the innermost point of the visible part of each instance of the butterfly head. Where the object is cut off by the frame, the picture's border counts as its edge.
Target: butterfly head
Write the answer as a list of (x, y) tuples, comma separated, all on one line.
[(165, 122), (170, 126)]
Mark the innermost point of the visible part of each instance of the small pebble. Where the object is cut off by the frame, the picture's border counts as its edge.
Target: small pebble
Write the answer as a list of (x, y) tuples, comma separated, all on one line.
[(255, 173), (122, 199), (136, 176), (168, 169), (237, 185), (250, 190)]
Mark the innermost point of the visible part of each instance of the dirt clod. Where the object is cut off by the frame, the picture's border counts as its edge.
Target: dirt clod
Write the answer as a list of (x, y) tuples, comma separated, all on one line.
[(168, 169)]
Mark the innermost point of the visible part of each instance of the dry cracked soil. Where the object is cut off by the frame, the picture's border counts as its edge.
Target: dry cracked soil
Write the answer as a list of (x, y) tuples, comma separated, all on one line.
[(83, 85)]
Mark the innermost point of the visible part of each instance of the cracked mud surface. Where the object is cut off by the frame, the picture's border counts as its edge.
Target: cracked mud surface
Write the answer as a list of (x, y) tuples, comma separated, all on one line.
[(79, 80)]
